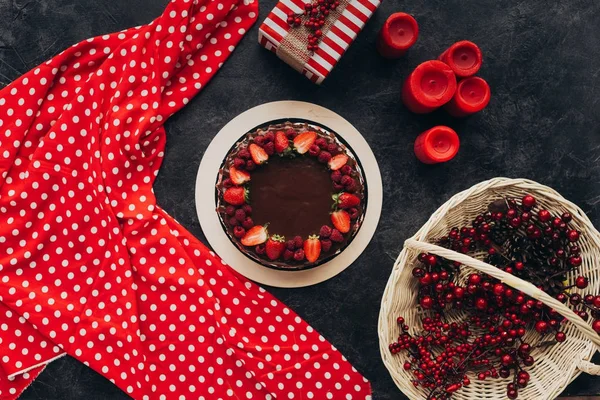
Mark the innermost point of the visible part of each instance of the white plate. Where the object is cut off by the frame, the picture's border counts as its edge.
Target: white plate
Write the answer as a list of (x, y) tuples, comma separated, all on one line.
[(207, 177)]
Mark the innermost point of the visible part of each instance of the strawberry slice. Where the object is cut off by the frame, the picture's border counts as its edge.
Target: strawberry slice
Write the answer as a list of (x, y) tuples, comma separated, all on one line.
[(282, 143), (275, 247), (312, 248), (338, 162), (259, 155), (303, 141), (236, 196), (255, 236), (346, 200), (341, 220), (238, 176)]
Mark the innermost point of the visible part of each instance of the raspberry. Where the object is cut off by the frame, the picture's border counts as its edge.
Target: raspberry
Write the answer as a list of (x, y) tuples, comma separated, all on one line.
[(336, 236), (298, 242), (321, 142), (240, 215), (291, 133), (351, 187), (332, 148), (239, 163), (338, 186), (269, 148), (299, 255), (260, 249), (244, 153), (353, 213), (325, 231), (259, 140), (346, 180), (239, 232), (336, 176), (247, 208), (233, 222), (324, 156), (250, 166), (230, 210), (346, 170), (288, 254), (290, 244), (314, 150), (248, 223), (227, 183), (326, 245), (269, 137)]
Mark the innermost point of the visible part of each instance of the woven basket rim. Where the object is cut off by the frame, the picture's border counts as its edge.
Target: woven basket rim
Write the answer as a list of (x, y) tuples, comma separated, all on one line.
[(580, 365)]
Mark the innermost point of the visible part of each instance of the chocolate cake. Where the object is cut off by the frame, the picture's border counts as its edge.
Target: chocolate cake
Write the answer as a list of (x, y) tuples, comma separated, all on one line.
[(291, 195)]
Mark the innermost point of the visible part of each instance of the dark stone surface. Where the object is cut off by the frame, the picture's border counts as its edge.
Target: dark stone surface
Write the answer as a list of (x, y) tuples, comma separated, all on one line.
[(540, 57)]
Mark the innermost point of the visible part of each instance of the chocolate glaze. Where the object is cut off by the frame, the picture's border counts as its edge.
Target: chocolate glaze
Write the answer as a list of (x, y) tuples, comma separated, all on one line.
[(293, 195), (312, 176)]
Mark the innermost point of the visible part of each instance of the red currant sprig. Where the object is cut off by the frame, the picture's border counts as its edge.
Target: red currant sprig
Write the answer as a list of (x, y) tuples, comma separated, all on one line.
[(314, 19)]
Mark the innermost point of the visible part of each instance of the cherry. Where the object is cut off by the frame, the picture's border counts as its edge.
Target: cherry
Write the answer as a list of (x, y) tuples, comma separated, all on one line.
[(581, 282), (528, 201)]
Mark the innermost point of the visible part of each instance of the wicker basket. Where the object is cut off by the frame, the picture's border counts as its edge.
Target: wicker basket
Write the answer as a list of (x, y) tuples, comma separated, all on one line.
[(556, 365)]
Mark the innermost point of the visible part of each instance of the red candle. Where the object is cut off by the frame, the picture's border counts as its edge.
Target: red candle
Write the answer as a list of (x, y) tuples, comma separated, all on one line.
[(431, 85), (463, 57), (399, 32), (472, 95), (438, 144)]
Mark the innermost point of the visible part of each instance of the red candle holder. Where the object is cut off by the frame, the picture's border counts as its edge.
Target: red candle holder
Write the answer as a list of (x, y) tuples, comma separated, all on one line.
[(472, 95), (463, 57), (437, 145), (431, 85), (399, 32)]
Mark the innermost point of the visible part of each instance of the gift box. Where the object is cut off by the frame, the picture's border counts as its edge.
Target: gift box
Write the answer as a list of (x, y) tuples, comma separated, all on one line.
[(290, 43)]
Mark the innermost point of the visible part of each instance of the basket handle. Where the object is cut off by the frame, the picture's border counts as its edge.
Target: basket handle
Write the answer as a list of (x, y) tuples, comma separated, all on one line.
[(588, 367), (513, 281)]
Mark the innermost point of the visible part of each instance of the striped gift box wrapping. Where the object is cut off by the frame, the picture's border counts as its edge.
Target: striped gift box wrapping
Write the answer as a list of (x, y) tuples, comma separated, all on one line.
[(333, 44)]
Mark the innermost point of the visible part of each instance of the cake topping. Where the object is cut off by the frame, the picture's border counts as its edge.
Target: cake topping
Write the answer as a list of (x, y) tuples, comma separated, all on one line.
[(275, 247), (259, 155), (255, 236), (237, 176), (282, 143), (312, 248), (338, 162), (236, 196), (346, 200), (341, 221), (303, 141)]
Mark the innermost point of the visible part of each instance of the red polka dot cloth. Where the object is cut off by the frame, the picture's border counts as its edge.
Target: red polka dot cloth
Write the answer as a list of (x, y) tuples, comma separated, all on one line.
[(91, 267)]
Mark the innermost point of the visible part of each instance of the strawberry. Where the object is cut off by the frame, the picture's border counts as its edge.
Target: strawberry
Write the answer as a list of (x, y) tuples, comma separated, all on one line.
[(238, 176), (341, 221), (236, 196), (312, 248), (282, 143), (275, 247), (255, 236), (338, 162), (346, 200), (259, 155), (303, 141)]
